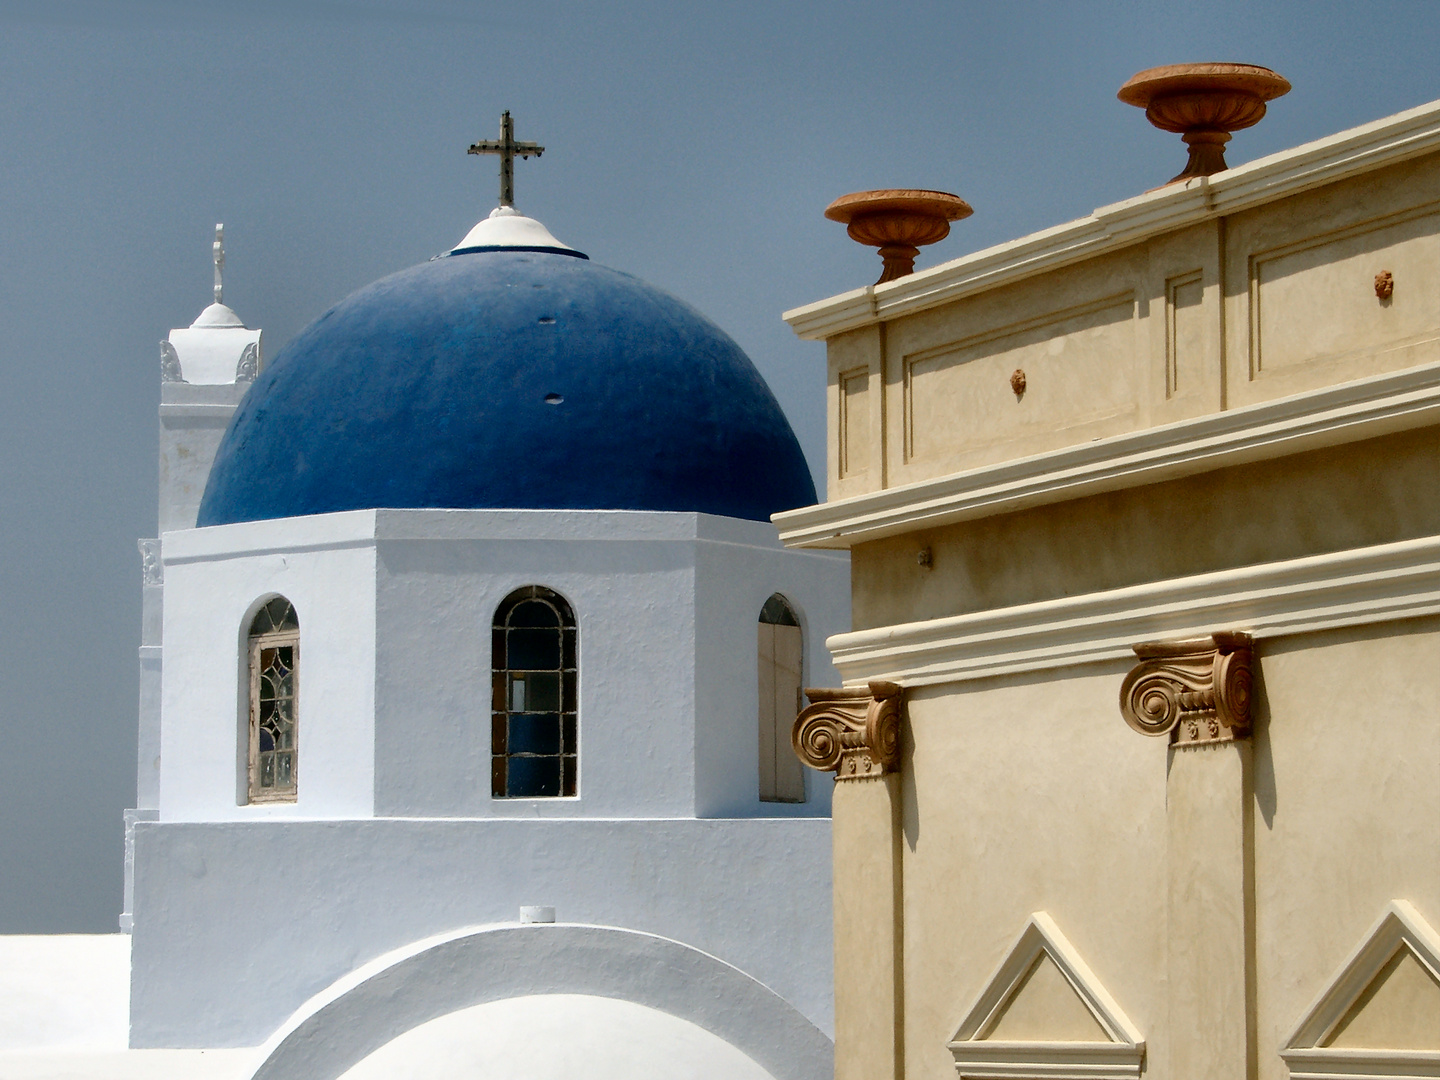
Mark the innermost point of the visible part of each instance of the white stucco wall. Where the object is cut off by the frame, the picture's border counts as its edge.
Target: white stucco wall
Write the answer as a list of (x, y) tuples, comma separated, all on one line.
[(215, 579), (629, 578), (242, 913), (193, 418), (557, 1037), (237, 924), (64, 991), (395, 612), (739, 565)]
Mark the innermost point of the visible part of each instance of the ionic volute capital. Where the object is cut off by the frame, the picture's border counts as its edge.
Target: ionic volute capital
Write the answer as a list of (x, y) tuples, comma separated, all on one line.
[(1194, 691), (853, 732)]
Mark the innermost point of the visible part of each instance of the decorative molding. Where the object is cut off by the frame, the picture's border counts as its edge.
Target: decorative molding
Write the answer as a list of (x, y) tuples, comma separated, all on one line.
[(1306, 1052), (976, 1055), (1384, 285), (249, 365), (1194, 691), (1260, 259), (1386, 142), (152, 570), (1319, 592), (1332, 416), (852, 732), (1329, 1064), (169, 363), (923, 369)]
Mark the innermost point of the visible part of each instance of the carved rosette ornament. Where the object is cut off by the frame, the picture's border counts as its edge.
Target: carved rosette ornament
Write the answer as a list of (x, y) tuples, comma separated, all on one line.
[(169, 363), (249, 365), (1194, 691), (853, 732), (152, 570)]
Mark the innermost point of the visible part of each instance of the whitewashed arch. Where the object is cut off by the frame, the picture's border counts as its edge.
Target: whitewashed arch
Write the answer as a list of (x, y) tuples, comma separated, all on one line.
[(437, 976)]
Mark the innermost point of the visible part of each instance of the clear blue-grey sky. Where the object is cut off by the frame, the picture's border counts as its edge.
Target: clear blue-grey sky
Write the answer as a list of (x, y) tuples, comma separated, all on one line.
[(693, 145)]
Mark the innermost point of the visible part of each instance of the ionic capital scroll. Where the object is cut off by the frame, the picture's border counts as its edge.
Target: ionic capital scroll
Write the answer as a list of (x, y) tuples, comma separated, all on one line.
[(853, 732), (1194, 691)]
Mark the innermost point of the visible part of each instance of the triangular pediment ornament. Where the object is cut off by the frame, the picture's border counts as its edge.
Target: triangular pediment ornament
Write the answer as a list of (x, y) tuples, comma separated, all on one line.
[(1044, 1013), (1379, 1016)]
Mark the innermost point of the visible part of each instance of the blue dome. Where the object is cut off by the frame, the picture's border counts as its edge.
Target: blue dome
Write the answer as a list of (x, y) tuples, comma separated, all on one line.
[(511, 378)]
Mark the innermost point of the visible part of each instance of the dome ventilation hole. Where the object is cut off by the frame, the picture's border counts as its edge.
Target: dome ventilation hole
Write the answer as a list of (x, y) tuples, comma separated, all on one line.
[(546, 320), (554, 399)]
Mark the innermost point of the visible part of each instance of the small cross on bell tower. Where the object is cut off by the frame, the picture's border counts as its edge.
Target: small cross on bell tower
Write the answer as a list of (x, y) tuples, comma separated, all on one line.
[(219, 254), (508, 149)]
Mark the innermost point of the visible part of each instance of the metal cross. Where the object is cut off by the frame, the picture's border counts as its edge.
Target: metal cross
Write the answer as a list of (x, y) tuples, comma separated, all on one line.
[(507, 148)]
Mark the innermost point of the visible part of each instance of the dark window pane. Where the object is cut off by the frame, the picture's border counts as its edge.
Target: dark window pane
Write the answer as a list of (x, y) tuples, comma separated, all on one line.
[(533, 777), (497, 733), (568, 726), (533, 650), (778, 612), (267, 741), (497, 691), (497, 649), (533, 613), (567, 786), (542, 691), (534, 733), (568, 704), (569, 654), (497, 777)]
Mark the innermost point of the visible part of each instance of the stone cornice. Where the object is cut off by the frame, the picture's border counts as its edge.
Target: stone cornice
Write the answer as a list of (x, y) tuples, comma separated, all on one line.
[(1319, 592), (853, 732), (1176, 206), (1195, 691), (1362, 409)]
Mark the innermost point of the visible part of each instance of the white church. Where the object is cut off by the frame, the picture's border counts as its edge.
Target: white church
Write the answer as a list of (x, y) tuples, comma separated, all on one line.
[(468, 664)]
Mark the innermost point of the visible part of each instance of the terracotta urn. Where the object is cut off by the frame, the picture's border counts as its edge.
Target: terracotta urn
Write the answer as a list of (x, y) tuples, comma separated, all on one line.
[(898, 221), (1204, 103)]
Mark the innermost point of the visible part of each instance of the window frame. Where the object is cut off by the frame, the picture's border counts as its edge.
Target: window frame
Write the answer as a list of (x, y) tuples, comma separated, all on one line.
[(502, 686), (256, 644), (773, 735)]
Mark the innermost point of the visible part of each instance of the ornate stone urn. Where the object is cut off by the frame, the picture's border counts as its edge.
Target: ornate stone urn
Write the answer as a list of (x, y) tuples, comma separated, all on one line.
[(1204, 103), (898, 221)]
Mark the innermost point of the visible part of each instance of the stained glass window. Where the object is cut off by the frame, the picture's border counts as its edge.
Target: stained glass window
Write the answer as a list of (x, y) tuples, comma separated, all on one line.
[(779, 663), (533, 709), (274, 659)]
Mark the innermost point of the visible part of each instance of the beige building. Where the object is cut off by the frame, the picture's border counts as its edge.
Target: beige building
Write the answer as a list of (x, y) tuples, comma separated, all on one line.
[(1139, 755)]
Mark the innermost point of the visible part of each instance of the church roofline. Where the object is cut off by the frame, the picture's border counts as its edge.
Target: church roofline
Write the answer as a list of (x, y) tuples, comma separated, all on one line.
[(363, 528)]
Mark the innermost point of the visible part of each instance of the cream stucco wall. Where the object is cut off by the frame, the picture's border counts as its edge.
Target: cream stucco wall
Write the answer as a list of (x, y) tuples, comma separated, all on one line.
[(1020, 795), (1226, 427)]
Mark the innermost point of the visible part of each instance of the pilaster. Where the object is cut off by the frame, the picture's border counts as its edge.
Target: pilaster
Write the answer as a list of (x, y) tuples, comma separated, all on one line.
[(1197, 692), (855, 733)]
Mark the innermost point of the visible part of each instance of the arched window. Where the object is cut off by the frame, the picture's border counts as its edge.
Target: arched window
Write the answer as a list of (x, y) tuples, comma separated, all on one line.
[(533, 696), (274, 660), (782, 777)]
